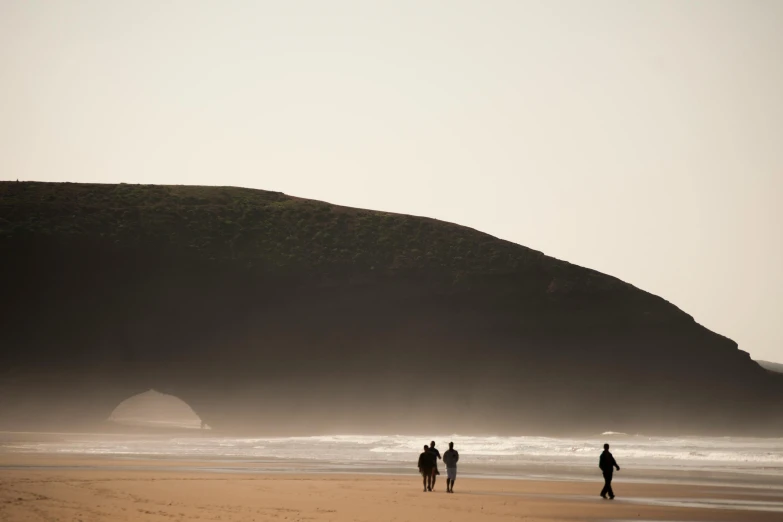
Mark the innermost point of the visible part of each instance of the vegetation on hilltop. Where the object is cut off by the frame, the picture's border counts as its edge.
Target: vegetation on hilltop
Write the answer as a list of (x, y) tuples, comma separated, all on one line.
[(270, 230)]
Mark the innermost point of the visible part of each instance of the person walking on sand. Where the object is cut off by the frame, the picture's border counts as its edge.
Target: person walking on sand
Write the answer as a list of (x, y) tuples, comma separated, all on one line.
[(450, 458), (427, 462), (435, 472), (607, 465)]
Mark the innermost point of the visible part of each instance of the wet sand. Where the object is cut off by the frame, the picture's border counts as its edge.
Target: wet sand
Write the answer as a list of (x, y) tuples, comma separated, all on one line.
[(74, 489)]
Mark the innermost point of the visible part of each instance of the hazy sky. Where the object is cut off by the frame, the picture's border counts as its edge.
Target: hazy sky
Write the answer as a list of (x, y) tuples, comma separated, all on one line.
[(640, 138)]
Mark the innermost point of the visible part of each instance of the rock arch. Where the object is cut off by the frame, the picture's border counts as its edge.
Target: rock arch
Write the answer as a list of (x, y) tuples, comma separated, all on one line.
[(153, 409)]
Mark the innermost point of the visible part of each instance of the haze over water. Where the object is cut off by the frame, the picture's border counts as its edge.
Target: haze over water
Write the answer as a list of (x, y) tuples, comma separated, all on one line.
[(484, 455), (153, 425)]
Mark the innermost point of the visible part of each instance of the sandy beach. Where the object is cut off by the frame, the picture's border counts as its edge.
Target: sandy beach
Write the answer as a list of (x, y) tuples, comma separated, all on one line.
[(34, 488)]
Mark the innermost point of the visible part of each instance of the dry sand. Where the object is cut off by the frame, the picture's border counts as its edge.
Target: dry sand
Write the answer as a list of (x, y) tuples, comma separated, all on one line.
[(107, 490)]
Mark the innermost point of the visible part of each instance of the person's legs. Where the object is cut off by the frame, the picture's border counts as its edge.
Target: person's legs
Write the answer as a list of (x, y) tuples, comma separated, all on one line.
[(431, 480), (434, 476), (607, 486), (424, 479), (451, 476)]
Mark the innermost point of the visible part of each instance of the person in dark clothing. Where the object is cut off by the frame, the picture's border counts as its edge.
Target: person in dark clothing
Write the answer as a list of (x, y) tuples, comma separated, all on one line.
[(607, 465), (427, 461), (435, 452)]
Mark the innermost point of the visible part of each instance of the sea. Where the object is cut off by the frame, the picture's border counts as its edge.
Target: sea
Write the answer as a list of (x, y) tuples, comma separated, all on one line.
[(645, 458)]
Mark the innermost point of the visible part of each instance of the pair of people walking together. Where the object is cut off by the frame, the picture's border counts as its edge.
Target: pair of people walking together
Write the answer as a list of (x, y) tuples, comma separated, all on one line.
[(428, 466)]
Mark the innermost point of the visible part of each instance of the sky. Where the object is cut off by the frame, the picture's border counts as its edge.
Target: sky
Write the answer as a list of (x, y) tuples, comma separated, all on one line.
[(642, 139)]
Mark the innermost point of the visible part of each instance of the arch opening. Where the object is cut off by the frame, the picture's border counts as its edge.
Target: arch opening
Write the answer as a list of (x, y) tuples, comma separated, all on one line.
[(152, 409)]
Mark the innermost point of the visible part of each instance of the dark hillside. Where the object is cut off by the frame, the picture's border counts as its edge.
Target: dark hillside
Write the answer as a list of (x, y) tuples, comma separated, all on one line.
[(271, 313)]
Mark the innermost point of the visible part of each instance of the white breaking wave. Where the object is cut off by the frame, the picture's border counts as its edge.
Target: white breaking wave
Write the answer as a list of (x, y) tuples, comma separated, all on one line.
[(405, 448)]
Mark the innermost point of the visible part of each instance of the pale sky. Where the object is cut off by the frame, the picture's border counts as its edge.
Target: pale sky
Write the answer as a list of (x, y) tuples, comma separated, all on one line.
[(640, 138)]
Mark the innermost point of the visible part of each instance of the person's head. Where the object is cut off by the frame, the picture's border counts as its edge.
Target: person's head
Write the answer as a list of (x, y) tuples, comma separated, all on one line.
[(606, 447), (426, 447), (451, 445), (432, 444)]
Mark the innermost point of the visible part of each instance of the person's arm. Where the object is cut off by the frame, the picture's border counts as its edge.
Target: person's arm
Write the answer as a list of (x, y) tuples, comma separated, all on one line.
[(615, 464), (456, 454)]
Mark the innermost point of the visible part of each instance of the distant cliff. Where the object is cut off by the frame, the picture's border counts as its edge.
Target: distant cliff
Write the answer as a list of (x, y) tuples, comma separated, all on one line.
[(773, 367), (276, 314)]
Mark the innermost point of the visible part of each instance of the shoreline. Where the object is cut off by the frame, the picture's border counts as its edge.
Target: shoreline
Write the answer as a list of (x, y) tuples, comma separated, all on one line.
[(715, 476), (94, 489), (46, 476)]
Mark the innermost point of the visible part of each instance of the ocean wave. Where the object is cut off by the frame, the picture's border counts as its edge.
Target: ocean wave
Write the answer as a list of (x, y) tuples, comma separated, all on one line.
[(404, 448)]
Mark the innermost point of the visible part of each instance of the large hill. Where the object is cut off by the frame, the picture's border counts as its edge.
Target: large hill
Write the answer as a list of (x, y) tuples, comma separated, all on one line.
[(275, 314)]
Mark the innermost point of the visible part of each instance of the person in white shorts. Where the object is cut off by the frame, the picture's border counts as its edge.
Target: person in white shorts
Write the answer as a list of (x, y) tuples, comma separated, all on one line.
[(450, 458)]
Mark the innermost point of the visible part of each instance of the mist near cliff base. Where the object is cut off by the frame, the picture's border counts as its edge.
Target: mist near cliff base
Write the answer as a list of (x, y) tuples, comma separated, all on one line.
[(155, 425)]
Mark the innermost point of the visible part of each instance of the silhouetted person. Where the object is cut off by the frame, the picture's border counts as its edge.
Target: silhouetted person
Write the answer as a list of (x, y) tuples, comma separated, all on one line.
[(450, 458), (607, 465), (427, 461), (435, 452)]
